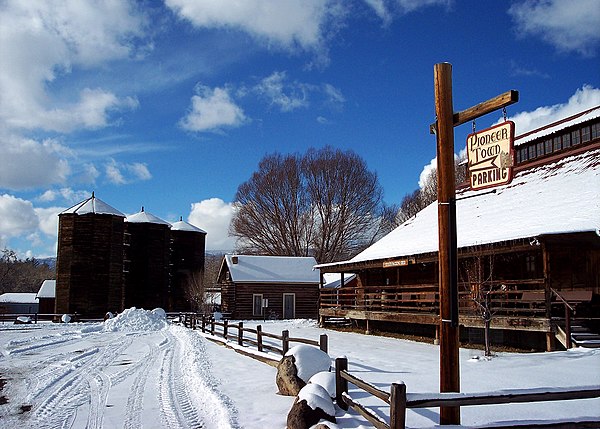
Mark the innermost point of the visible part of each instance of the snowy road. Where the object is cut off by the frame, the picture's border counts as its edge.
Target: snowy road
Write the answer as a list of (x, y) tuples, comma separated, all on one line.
[(90, 378)]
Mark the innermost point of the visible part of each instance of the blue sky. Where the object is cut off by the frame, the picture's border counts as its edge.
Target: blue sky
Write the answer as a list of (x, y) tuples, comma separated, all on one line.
[(171, 105)]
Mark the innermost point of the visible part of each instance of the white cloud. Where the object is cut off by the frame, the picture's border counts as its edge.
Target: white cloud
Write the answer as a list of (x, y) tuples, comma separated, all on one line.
[(287, 96), (387, 9), (212, 109), (119, 173), (567, 25), (48, 219), (67, 194), (26, 163), (284, 23), (17, 217), (432, 166), (43, 41), (584, 98), (213, 216)]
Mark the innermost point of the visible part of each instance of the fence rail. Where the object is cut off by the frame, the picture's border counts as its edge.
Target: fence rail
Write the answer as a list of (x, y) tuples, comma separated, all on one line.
[(222, 329), (399, 401)]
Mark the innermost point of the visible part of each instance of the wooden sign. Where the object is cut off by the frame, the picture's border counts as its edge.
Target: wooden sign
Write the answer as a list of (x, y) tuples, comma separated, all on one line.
[(397, 263), (490, 155)]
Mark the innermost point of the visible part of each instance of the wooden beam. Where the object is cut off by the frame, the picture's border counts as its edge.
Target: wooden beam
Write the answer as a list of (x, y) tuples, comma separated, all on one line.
[(489, 106)]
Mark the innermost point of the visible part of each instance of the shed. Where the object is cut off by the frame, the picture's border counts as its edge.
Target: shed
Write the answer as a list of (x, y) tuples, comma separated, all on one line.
[(46, 296), (273, 287), (18, 303)]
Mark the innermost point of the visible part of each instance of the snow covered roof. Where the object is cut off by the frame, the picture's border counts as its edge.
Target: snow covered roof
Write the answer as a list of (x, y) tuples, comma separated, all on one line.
[(557, 198), (47, 290), (272, 269), (93, 205), (18, 298), (182, 225), (558, 126), (334, 280), (145, 217)]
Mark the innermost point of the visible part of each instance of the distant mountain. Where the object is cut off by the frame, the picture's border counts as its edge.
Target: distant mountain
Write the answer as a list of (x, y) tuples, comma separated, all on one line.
[(51, 262)]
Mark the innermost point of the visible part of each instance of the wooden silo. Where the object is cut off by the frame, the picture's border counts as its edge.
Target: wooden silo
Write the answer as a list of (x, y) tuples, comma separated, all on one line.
[(147, 251), (187, 266), (89, 267)]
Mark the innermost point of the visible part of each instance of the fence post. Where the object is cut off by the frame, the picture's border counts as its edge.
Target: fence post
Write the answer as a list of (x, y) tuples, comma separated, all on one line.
[(398, 406), (285, 341), (323, 342), (341, 384), (240, 333), (203, 325), (225, 324), (259, 337), (212, 327)]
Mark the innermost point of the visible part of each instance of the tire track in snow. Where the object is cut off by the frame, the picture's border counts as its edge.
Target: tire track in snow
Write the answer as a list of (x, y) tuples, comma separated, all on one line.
[(135, 399), (72, 389)]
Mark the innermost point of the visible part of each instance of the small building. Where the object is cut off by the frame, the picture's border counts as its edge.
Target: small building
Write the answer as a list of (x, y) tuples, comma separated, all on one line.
[(89, 265), (528, 252), (18, 303), (271, 287), (46, 297), (147, 246), (187, 266)]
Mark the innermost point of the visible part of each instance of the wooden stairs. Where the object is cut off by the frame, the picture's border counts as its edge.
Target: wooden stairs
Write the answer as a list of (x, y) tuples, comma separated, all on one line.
[(581, 336)]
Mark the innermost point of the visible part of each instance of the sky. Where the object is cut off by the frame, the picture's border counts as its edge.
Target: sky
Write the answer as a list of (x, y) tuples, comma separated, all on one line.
[(172, 104)]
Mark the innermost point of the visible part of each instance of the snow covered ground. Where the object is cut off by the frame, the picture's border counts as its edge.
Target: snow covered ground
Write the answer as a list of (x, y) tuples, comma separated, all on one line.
[(138, 372)]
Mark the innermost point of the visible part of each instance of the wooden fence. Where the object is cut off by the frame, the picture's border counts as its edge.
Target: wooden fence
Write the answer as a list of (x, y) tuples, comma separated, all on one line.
[(399, 401), (258, 339)]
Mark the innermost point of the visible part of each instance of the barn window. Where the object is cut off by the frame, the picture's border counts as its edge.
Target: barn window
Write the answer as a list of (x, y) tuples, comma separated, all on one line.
[(566, 140), (585, 134), (257, 308), (557, 143), (575, 137), (596, 130), (530, 264), (548, 144), (540, 148)]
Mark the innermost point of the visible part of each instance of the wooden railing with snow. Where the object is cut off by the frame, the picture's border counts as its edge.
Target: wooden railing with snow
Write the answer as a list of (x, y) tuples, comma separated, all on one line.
[(223, 329), (399, 401)]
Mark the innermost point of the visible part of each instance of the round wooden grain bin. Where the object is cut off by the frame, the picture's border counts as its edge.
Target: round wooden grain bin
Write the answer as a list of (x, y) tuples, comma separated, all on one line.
[(89, 267), (146, 261), (187, 266)]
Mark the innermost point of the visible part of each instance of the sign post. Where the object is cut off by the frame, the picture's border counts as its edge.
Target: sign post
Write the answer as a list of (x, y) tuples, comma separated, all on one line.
[(448, 268)]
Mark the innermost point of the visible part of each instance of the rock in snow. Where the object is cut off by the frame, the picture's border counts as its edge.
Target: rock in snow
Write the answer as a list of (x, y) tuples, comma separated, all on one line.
[(309, 360), (326, 380)]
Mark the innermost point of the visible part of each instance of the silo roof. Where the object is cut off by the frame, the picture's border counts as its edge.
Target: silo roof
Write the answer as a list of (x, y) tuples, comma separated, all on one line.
[(185, 226), (93, 205), (145, 217)]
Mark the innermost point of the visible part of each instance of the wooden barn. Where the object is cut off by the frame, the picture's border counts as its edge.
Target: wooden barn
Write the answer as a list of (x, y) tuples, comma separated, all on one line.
[(187, 266), (528, 253), (147, 246), (46, 297), (89, 266), (268, 287)]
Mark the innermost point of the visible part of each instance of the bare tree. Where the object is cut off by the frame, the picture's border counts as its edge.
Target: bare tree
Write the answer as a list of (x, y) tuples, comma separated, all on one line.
[(324, 204), (22, 275)]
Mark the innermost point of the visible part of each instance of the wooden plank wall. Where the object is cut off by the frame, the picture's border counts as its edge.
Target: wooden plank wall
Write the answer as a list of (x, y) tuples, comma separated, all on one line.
[(307, 299)]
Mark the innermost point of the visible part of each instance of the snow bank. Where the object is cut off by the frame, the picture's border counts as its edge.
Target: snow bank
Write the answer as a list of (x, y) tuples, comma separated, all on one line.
[(137, 319), (309, 360)]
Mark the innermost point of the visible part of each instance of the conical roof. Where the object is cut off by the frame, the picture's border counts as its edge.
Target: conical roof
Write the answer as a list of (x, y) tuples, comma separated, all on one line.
[(182, 225), (93, 205), (145, 217)]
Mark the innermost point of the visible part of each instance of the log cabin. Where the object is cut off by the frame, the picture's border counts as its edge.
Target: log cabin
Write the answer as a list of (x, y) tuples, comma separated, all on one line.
[(268, 287), (528, 253)]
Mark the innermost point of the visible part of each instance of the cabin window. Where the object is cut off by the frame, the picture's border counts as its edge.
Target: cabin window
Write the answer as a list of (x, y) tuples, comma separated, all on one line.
[(540, 148), (548, 144), (557, 143), (596, 130), (257, 308), (531, 152), (575, 137), (523, 154), (530, 264), (585, 134), (566, 138)]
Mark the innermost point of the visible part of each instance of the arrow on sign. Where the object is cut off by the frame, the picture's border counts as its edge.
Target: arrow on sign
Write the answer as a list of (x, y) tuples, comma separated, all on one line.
[(491, 161)]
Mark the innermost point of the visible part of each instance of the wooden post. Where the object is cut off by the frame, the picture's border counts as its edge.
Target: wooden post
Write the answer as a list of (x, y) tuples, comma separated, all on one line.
[(568, 326), (449, 363), (259, 337), (323, 342), (212, 327), (203, 323), (341, 384), (225, 325), (398, 406), (241, 333), (285, 341)]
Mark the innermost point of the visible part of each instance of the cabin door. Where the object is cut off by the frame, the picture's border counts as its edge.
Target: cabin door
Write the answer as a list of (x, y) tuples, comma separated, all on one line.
[(289, 305)]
